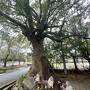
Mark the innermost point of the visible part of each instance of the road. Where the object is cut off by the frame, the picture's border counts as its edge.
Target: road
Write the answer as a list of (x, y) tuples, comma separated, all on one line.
[(8, 77)]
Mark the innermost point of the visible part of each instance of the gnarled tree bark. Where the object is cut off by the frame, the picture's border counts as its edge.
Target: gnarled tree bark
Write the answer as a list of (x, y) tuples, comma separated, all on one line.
[(40, 62)]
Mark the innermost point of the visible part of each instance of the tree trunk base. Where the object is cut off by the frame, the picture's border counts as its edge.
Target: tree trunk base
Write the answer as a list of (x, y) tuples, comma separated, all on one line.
[(28, 84)]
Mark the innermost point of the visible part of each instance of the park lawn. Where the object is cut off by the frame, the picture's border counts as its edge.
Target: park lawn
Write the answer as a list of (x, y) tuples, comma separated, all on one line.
[(2, 70), (6, 69), (80, 65)]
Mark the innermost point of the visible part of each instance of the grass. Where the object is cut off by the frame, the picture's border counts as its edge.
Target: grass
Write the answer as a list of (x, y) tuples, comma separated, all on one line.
[(80, 66), (2, 70), (6, 69)]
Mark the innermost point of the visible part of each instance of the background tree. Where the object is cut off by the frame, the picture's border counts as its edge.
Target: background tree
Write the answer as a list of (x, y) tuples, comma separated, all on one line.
[(12, 47)]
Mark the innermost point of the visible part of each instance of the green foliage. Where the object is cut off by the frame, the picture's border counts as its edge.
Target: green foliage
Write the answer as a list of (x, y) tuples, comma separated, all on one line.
[(5, 5), (11, 46), (20, 81), (20, 6)]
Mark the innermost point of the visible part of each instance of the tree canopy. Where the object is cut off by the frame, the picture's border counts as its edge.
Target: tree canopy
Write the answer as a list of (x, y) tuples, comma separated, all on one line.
[(45, 18)]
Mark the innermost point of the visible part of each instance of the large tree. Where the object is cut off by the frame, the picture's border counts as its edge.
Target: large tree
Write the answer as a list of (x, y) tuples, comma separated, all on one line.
[(38, 19)]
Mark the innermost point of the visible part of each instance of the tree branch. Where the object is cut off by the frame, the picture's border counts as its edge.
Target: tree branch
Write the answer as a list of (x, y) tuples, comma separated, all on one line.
[(58, 26), (54, 26), (17, 23), (35, 15), (57, 11), (52, 35), (53, 38), (40, 9)]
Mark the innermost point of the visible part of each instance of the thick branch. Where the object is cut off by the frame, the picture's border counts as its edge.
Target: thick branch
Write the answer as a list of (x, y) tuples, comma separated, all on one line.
[(54, 26), (58, 26), (86, 37), (53, 36), (17, 23), (35, 15), (40, 9)]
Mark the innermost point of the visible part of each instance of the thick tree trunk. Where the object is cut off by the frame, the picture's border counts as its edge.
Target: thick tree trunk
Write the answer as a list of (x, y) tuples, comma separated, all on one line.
[(63, 58), (5, 63), (40, 62), (75, 63), (5, 60), (64, 64)]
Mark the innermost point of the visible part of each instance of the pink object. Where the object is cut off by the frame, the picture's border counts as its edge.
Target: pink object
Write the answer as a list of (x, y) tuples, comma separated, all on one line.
[(42, 82)]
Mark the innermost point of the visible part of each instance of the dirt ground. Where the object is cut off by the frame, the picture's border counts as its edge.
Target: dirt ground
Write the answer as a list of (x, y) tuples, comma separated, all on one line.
[(80, 81)]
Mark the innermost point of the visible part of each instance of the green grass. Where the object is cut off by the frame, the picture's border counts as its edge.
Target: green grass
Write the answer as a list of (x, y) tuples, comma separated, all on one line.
[(6, 69), (71, 66), (2, 70)]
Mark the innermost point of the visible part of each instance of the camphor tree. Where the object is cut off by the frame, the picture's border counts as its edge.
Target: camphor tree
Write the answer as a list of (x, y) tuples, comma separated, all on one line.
[(11, 45), (5, 42), (38, 19)]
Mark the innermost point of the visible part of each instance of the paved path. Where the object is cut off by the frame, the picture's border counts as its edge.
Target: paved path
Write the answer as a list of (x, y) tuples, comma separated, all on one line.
[(8, 77)]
